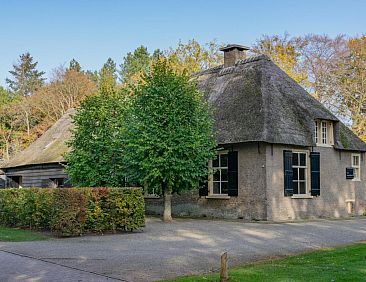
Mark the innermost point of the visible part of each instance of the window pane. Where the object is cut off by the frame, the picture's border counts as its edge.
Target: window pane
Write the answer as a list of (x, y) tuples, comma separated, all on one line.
[(355, 161), (302, 188), (215, 162), (295, 174), (301, 173), (296, 188), (223, 159), (356, 173), (223, 187), (216, 176), (224, 174), (295, 159), (216, 187), (303, 159)]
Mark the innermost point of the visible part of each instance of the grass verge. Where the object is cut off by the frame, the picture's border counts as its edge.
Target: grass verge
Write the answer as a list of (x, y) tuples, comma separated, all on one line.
[(346, 263), (18, 235)]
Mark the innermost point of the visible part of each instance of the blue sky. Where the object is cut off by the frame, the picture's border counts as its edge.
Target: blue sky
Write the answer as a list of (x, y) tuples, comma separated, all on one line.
[(54, 32)]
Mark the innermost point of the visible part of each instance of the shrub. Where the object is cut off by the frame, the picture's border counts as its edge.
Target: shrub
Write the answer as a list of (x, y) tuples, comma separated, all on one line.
[(73, 211)]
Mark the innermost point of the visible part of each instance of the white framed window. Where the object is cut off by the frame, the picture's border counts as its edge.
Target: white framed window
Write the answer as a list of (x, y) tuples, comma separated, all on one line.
[(300, 172), (218, 182), (324, 132), (316, 132), (356, 164), (323, 135)]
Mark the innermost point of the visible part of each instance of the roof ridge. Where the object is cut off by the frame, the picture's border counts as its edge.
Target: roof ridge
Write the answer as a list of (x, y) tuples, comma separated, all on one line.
[(252, 59)]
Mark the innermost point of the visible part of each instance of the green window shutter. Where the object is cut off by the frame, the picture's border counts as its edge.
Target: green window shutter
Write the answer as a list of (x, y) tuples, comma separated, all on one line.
[(288, 173), (233, 174), (315, 173), (203, 188)]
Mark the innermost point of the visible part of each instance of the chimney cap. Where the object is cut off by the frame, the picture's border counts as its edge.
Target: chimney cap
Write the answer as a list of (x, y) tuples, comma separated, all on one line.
[(234, 46)]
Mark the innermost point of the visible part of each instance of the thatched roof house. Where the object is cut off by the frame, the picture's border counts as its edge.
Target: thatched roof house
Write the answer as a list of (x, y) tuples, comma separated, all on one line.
[(284, 154)]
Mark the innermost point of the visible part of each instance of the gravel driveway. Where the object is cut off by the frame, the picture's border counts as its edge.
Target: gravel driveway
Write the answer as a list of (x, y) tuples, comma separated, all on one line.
[(183, 247)]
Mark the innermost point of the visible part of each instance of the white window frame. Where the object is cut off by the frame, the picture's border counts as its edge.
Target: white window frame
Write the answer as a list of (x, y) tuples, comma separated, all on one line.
[(324, 136), (307, 173), (356, 168), (210, 179)]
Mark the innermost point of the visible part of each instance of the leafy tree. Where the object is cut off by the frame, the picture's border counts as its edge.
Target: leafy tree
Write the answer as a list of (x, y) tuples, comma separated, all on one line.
[(5, 96), (26, 78), (286, 53), (168, 138), (67, 89), (193, 57), (351, 75), (74, 65), (96, 156), (135, 65)]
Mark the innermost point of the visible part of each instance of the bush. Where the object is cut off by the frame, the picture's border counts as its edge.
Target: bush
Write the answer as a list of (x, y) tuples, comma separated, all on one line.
[(73, 211)]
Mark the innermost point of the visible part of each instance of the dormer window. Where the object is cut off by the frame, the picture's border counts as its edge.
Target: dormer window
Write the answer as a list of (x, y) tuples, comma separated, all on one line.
[(323, 134)]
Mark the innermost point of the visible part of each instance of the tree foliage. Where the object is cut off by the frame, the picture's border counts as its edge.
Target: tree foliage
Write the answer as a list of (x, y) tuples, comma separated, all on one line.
[(26, 77), (168, 136), (192, 57), (96, 156)]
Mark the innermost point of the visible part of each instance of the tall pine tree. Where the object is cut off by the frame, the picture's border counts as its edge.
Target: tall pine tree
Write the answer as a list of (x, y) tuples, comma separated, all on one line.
[(26, 78)]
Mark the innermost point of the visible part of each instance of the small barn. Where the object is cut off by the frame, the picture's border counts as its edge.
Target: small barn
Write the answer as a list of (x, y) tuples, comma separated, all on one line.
[(42, 163)]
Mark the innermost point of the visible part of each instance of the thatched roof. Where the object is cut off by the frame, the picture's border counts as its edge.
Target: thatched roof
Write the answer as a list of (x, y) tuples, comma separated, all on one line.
[(256, 101), (49, 148)]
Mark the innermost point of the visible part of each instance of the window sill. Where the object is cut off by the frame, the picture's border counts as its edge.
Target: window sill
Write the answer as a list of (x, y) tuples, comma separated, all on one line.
[(218, 197), (324, 145), (302, 197), (356, 180)]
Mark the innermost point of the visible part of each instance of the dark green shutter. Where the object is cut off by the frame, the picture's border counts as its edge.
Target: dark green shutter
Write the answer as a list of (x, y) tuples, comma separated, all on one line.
[(203, 188), (288, 173), (315, 173), (233, 174)]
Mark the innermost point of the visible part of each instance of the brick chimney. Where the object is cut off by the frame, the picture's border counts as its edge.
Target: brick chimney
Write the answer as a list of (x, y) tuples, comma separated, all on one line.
[(232, 53)]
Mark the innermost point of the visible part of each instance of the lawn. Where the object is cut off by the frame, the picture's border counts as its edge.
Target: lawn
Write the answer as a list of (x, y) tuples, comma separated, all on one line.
[(346, 263), (19, 235)]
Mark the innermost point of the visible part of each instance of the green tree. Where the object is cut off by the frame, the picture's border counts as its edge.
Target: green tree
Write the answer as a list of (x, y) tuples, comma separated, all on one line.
[(74, 65), (135, 65), (5, 97), (26, 78), (96, 156), (108, 77), (168, 138)]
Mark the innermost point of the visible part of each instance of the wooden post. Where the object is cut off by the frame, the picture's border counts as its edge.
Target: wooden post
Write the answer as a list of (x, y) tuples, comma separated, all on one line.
[(224, 276)]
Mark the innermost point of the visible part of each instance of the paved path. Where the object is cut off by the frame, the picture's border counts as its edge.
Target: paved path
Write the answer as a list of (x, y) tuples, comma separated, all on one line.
[(168, 250)]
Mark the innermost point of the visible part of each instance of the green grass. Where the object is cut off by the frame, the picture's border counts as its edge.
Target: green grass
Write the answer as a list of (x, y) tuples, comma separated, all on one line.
[(19, 235), (346, 263)]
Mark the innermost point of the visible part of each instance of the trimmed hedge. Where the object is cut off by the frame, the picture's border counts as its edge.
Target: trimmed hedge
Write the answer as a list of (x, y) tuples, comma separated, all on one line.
[(73, 211)]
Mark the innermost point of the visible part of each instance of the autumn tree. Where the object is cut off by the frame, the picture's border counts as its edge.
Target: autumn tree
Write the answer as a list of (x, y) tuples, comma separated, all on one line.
[(67, 89), (192, 57), (352, 84), (286, 53), (26, 78), (167, 138)]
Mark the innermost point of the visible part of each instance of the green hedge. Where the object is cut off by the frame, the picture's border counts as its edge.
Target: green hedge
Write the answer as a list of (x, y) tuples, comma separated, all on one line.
[(73, 211)]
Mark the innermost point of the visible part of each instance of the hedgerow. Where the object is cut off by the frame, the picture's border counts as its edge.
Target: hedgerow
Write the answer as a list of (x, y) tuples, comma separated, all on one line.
[(73, 211)]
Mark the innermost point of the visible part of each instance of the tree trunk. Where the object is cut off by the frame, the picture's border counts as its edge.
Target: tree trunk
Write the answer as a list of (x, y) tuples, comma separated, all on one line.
[(167, 216)]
